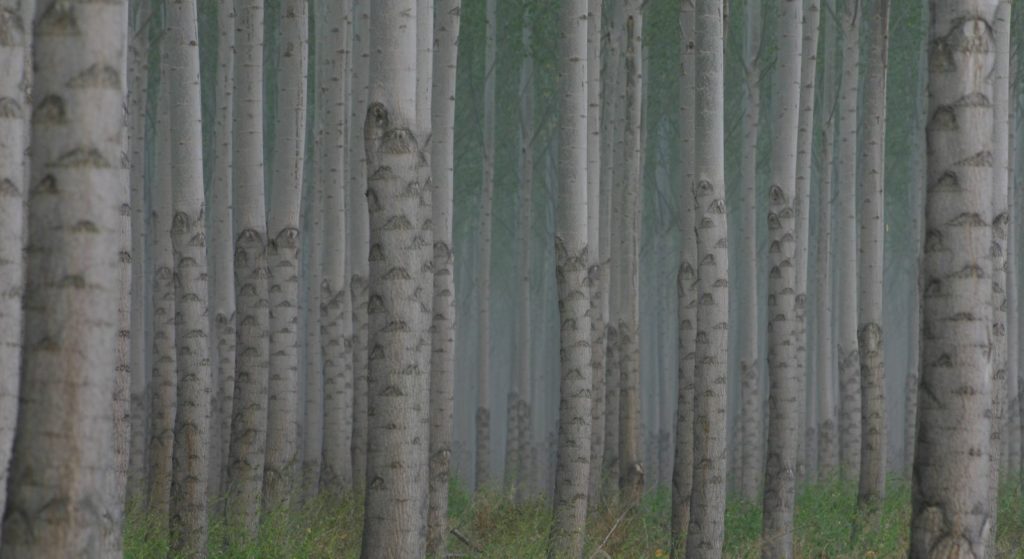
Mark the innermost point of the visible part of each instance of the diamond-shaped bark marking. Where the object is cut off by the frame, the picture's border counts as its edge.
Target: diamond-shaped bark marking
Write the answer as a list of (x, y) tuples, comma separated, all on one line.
[(82, 158), (9, 108), (96, 76), (50, 110), (59, 19)]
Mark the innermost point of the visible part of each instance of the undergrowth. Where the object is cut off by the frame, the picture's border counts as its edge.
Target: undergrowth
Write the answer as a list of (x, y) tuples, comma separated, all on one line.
[(498, 527)]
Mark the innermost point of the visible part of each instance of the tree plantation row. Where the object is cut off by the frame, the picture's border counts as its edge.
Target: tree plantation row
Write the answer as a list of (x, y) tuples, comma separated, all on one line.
[(263, 256)]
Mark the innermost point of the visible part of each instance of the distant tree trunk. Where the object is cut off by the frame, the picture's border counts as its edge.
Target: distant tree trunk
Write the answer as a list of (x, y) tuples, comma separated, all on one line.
[(221, 246), (748, 329), (631, 468), (71, 280), (707, 509), (252, 319), (335, 298), (1000, 241), (15, 120), (846, 246), (401, 288), (163, 379), (191, 327), (359, 236), (1013, 417), (316, 339), (138, 83), (572, 260), (442, 361), (483, 409), (682, 470), (283, 246), (784, 395), (952, 513), (802, 204), (871, 487)]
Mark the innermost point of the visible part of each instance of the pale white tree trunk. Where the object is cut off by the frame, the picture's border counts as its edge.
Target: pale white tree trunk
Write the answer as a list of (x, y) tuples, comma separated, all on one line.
[(952, 513), (247, 448), (191, 326), (483, 408), (335, 301), (442, 361), (71, 287), (870, 265), (572, 262), (163, 379), (400, 292), (846, 246), (686, 279), (784, 386), (750, 375), (359, 236), (707, 502), (313, 376), (283, 247), (15, 113)]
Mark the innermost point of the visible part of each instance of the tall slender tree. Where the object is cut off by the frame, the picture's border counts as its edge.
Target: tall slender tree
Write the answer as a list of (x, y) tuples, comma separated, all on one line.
[(78, 189), (951, 509)]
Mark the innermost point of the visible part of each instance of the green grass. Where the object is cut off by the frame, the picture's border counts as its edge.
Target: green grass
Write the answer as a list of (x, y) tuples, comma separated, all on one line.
[(504, 529)]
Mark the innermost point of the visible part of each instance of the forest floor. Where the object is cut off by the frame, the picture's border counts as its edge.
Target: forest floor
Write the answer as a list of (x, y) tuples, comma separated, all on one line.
[(499, 528)]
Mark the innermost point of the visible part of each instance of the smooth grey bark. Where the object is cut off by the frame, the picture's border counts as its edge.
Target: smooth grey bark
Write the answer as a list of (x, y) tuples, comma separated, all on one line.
[(359, 236), (221, 246), (400, 293), (313, 373), (870, 266), (442, 360), (483, 408), (163, 378), (682, 471), (191, 327), (15, 121), (846, 246), (572, 263), (79, 180), (750, 375), (784, 385), (247, 447), (335, 299), (952, 513), (283, 250), (706, 533)]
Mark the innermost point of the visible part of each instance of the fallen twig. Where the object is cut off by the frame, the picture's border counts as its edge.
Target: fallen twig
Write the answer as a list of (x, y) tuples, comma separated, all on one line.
[(462, 538)]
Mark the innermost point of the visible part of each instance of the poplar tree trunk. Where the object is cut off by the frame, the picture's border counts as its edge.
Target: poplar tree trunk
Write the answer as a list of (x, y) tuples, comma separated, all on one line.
[(707, 514), (15, 120), (71, 258), (335, 299), (870, 265), (750, 376), (784, 387), (191, 327), (222, 261), (163, 379), (401, 288), (483, 408), (442, 360), (952, 513), (313, 222), (572, 260), (683, 463), (283, 247), (252, 320), (846, 247)]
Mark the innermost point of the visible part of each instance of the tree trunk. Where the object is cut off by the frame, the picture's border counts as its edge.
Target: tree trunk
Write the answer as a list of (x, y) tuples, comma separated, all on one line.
[(222, 261), (313, 216), (707, 514), (784, 390), (951, 509), (442, 361), (335, 298), (846, 247), (572, 259), (871, 487), (71, 257), (252, 320), (682, 471)]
